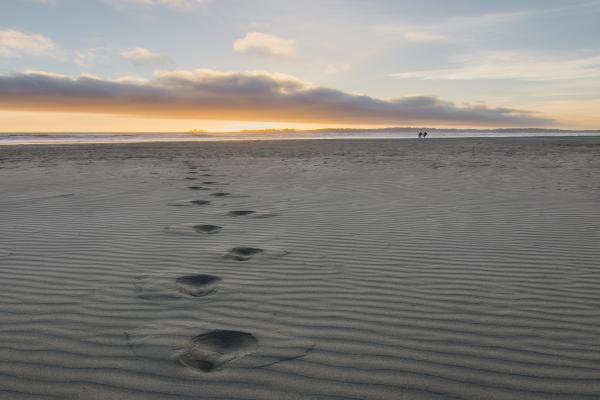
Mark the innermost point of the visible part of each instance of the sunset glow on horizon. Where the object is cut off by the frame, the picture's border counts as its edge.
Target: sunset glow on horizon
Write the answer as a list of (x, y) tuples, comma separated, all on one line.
[(226, 65)]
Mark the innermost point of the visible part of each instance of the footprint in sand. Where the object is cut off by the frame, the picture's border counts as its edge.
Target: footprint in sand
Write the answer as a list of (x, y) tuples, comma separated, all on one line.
[(199, 202), (193, 229), (220, 194), (188, 203), (239, 213), (197, 285), (251, 213), (213, 350), (206, 228), (243, 253), (206, 348), (197, 188), (190, 178), (167, 287)]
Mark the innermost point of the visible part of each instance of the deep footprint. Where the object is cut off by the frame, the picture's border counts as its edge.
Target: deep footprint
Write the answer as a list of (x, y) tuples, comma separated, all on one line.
[(200, 202), (243, 253), (197, 285), (183, 203), (213, 350), (197, 188), (206, 348), (220, 194), (207, 228), (241, 212)]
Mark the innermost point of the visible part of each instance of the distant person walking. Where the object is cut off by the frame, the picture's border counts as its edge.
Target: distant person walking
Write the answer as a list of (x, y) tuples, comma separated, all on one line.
[(424, 134), (420, 135)]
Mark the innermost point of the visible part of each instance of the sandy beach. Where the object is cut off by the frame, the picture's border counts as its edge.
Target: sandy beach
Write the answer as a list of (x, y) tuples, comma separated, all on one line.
[(323, 269)]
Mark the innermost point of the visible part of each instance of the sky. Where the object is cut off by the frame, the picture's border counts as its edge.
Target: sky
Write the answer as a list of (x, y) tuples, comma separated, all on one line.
[(219, 65)]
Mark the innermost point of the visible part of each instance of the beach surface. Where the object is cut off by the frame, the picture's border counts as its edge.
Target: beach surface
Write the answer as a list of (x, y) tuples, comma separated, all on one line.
[(322, 269)]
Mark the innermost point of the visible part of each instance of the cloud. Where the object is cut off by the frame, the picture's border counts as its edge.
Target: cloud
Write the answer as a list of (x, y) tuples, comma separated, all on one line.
[(45, 74), (264, 44), (473, 27), (88, 57), (141, 56), (250, 96), (509, 65), (16, 44), (452, 29)]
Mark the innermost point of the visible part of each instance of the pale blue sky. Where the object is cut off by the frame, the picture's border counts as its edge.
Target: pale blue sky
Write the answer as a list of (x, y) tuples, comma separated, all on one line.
[(540, 56)]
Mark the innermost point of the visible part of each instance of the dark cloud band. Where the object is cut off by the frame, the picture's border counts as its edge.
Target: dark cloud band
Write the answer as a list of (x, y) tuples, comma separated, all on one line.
[(253, 96)]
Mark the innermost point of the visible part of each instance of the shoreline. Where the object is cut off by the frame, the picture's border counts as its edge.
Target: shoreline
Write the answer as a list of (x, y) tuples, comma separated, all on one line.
[(276, 139)]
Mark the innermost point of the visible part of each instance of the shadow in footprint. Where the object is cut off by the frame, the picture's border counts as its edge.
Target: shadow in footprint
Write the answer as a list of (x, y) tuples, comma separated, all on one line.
[(220, 194), (197, 285), (187, 203), (238, 213), (213, 350), (251, 214), (207, 228), (191, 229), (190, 178), (167, 287), (243, 253), (197, 188)]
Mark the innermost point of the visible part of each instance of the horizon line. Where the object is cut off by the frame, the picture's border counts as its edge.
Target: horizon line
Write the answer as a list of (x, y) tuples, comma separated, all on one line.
[(315, 130)]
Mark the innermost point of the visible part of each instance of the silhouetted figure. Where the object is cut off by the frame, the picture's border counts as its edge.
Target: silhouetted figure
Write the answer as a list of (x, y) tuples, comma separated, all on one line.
[(420, 135), (424, 134)]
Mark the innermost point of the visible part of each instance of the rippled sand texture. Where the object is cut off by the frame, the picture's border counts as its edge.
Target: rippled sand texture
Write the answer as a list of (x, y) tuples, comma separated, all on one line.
[(360, 269)]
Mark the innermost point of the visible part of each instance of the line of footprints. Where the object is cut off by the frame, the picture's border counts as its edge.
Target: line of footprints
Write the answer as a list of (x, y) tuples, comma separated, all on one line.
[(211, 351)]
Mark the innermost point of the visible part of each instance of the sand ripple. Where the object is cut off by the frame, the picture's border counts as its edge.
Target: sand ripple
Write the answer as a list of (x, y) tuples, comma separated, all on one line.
[(393, 270)]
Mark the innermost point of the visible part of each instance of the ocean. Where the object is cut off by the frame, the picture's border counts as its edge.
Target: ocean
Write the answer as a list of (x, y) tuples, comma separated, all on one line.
[(75, 138)]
